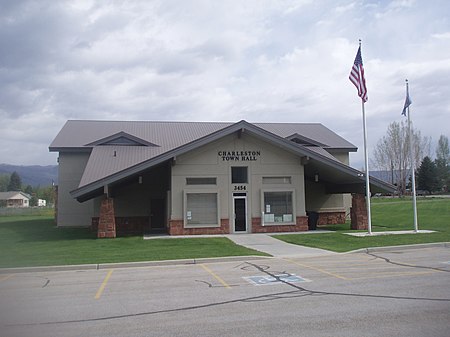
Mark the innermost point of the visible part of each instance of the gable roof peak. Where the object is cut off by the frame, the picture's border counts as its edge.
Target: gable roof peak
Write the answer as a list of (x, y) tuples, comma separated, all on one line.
[(121, 138)]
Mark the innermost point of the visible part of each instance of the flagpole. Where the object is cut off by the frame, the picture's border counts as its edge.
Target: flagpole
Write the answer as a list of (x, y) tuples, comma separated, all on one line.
[(413, 178), (366, 164), (357, 78)]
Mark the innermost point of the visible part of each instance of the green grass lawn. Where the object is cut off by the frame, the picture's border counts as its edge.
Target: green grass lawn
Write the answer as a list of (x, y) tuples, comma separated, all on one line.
[(388, 214), (34, 241)]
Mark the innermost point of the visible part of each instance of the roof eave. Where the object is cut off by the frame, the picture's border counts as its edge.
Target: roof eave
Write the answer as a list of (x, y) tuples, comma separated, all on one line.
[(239, 126), (69, 149), (77, 193), (341, 149)]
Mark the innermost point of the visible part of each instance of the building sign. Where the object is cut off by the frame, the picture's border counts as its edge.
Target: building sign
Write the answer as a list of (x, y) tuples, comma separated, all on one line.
[(239, 155)]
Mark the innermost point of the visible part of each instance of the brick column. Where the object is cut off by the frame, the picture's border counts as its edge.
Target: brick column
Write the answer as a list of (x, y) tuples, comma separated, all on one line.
[(107, 220), (358, 212)]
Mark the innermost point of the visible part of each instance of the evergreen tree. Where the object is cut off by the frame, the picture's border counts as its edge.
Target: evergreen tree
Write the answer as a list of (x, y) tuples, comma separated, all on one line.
[(442, 163), (15, 183), (443, 175), (4, 182), (427, 176), (29, 190), (47, 193)]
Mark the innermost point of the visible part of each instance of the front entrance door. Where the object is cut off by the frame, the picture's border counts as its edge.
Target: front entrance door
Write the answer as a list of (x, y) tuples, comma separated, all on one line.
[(157, 211), (240, 213)]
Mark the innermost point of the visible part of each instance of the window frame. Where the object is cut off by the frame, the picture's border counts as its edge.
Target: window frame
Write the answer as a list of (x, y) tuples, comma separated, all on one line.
[(276, 180), (263, 206), (239, 167), (185, 207), (197, 181)]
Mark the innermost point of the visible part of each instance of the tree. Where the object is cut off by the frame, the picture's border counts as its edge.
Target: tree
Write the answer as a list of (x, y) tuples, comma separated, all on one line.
[(443, 151), (4, 182), (29, 190), (426, 176), (392, 152), (47, 193), (15, 183), (443, 163)]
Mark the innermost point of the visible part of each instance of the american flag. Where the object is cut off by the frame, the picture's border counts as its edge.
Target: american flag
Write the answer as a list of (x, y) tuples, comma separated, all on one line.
[(357, 76)]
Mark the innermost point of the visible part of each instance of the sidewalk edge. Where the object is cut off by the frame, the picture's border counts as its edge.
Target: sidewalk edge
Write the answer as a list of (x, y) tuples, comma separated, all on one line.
[(130, 264), (400, 247)]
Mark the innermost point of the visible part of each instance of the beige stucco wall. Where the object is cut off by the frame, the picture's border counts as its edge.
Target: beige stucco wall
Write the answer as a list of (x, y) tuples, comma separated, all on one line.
[(318, 201), (169, 183), (343, 157), (206, 162), (70, 211)]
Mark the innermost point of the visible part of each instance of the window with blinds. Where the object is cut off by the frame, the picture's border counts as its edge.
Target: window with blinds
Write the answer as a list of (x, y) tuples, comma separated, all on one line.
[(278, 207), (201, 209)]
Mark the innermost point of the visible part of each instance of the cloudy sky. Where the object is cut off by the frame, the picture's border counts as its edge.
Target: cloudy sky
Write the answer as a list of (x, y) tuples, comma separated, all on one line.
[(200, 60)]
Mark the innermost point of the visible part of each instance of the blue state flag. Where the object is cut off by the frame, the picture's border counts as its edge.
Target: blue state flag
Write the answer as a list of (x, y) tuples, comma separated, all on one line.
[(407, 104)]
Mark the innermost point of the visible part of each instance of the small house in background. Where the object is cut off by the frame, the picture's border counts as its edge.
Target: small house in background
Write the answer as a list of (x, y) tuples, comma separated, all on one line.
[(42, 203), (14, 199)]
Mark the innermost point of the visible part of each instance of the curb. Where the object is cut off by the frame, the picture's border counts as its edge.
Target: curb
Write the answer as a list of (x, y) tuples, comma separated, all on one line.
[(138, 264), (182, 262), (402, 247)]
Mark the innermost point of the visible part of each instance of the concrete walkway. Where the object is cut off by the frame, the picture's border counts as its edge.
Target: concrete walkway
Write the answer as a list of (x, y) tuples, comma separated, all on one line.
[(277, 248)]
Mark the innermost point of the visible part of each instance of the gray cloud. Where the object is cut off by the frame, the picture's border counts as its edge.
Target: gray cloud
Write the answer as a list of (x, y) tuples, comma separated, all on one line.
[(194, 60)]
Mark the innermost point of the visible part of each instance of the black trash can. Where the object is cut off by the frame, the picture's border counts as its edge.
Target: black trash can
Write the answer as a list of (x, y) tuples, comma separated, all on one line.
[(313, 218)]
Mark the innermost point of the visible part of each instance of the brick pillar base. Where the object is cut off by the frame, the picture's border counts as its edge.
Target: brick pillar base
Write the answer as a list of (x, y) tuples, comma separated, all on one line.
[(301, 225), (176, 227), (331, 218), (107, 220), (358, 212)]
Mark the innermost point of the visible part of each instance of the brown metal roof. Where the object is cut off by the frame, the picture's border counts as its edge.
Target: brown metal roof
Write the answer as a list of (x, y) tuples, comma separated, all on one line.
[(111, 163), (169, 135), (106, 160)]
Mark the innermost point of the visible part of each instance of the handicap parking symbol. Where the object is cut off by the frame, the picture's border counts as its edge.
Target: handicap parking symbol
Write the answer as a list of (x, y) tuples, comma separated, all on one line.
[(277, 279)]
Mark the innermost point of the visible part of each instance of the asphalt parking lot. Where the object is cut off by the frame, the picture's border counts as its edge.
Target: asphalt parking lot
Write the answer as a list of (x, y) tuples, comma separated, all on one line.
[(398, 292)]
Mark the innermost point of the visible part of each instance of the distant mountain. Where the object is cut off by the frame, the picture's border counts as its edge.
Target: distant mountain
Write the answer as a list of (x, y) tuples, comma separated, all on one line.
[(34, 175), (389, 176), (382, 175)]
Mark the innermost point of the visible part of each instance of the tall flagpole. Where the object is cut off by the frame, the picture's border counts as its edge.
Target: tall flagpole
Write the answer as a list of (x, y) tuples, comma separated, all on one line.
[(413, 178), (357, 78), (366, 164)]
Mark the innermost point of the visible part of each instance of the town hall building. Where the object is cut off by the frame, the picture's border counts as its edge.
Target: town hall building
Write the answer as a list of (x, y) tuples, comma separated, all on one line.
[(187, 178)]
